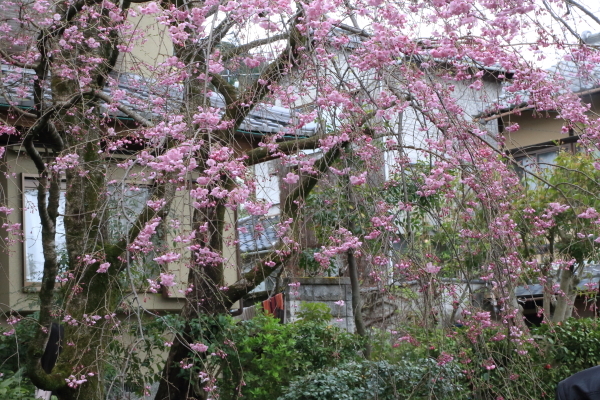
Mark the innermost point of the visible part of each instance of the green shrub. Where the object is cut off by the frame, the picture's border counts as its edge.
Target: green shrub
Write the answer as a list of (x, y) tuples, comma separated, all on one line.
[(423, 379), (14, 386), (264, 356), (575, 343), (315, 312)]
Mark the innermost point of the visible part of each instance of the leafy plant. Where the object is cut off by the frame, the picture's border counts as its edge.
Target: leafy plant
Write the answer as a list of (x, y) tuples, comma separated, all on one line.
[(13, 348), (16, 387), (380, 380), (264, 356), (573, 345), (315, 312)]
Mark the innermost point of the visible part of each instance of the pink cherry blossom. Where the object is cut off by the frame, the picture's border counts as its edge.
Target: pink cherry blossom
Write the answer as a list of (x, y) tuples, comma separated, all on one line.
[(199, 347)]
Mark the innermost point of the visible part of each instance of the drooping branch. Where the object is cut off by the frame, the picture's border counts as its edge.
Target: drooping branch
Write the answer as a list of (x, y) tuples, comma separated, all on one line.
[(290, 210), (307, 184), (124, 109), (164, 191), (559, 19), (585, 10), (262, 154), (12, 61), (242, 49)]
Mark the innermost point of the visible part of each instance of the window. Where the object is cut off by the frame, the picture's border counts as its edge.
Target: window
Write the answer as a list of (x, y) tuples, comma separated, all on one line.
[(34, 257), (124, 204), (537, 160)]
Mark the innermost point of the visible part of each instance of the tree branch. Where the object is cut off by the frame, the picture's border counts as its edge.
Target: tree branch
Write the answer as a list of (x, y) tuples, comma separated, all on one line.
[(273, 73), (354, 30), (562, 21), (164, 191), (261, 270), (262, 154), (124, 109), (48, 212), (16, 63), (228, 55), (585, 10), (227, 90), (221, 30)]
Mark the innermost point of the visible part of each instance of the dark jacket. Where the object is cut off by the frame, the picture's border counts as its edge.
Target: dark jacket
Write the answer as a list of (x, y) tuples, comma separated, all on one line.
[(584, 385)]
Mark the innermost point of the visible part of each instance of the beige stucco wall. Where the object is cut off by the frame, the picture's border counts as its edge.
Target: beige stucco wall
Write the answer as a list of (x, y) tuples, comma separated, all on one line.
[(153, 50), (533, 129), (12, 268), (540, 127)]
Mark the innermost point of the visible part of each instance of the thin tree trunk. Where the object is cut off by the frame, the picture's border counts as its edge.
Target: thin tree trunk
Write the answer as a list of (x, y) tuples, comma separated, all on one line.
[(547, 302), (356, 300), (567, 279)]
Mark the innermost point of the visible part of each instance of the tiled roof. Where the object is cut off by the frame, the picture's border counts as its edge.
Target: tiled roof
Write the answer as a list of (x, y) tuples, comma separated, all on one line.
[(590, 280), (577, 78), (257, 233), (263, 119)]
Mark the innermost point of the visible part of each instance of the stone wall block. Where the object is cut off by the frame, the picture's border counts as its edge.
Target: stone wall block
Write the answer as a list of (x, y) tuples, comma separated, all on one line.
[(322, 290), (328, 293)]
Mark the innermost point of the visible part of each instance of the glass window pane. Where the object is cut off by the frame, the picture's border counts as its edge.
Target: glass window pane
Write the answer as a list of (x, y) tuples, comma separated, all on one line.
[(547, 160), (34, 257), (125, 203)]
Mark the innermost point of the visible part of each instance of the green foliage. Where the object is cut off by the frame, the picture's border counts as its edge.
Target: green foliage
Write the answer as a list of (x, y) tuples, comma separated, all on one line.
[(308, 264), (13, 348), (264, 356), (130, 367), (573, 181), (407, 379), (15, 386), (572, 346), (315, 312)]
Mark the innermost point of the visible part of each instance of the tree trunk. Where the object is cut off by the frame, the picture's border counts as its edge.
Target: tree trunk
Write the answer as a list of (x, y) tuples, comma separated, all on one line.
[(356, 300), (565, 300), (547, 302)]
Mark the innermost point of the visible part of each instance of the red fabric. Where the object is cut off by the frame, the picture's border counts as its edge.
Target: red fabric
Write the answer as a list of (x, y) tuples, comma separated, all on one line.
[(274, 305), (267, 306), (279, 301)]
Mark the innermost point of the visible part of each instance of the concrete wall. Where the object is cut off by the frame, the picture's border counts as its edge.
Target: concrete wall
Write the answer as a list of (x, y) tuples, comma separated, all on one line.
[(322, 290)]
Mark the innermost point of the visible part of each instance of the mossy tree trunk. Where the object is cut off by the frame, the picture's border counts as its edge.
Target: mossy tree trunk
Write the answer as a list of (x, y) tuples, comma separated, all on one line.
[(70, 121)]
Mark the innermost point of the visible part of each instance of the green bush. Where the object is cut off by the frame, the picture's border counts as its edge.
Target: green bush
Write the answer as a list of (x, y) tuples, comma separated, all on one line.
[(423, 379), (315, 312), (264, 356), (570, 347), (14, 384), (311, 359)]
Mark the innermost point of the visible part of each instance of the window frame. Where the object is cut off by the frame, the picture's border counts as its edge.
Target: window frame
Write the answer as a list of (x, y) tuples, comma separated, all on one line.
[(28, 182), (533, 152)]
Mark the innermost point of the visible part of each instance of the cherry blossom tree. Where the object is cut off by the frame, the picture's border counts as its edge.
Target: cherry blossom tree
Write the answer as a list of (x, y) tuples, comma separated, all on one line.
[(356, 68)]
